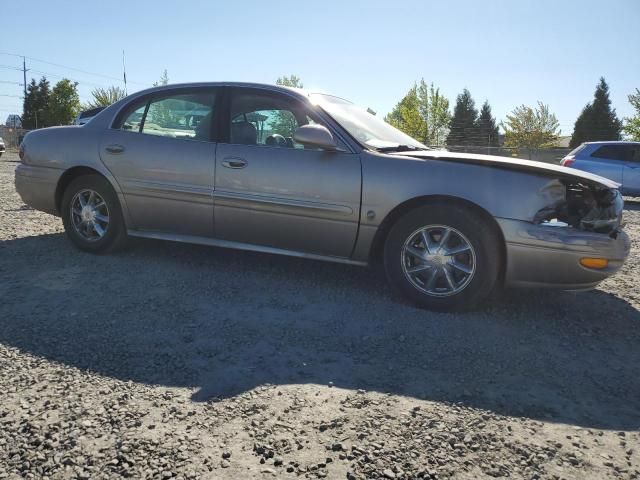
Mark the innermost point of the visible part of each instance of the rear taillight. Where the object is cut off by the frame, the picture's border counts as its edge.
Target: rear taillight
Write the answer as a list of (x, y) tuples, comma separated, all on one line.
[(567, 161)]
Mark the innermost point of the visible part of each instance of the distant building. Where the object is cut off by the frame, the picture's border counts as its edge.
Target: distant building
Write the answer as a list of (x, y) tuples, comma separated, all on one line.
[(562, 142), (14, 121)]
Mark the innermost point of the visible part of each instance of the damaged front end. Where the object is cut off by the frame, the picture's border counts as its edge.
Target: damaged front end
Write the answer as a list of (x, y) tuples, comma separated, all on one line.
[(581, 205)]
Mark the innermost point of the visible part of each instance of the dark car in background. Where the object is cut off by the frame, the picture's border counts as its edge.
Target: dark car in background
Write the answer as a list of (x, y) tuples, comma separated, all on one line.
[(85, 116)]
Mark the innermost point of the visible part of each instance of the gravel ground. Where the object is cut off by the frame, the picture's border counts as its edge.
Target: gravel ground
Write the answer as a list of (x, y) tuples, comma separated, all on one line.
[(171, 360)]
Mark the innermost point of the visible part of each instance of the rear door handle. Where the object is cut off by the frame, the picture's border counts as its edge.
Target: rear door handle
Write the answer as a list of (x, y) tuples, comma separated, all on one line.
[(234, 162), (114, 149)]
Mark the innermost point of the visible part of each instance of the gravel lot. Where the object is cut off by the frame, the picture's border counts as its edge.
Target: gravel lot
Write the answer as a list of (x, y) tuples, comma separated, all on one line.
[(171, 360)]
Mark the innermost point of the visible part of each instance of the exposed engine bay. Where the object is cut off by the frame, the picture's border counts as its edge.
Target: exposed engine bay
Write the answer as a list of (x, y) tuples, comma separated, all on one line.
[(581, 205)]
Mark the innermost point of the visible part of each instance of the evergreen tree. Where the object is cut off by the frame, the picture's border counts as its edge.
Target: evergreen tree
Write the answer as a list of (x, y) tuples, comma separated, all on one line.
[(463, 128), (36, 105), (487, 128), (598, 121)]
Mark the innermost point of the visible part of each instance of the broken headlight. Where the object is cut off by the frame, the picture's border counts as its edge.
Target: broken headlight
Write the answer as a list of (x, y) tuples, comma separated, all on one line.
[(582, 206)]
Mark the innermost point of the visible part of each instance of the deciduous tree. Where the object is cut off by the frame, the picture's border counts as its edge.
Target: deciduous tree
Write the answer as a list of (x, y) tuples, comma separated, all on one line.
[(284, 123), (103, 97), (423, 113), (531, 128), (434, 108), (64, 103), (290, 81), (632, 124), (407, 115)]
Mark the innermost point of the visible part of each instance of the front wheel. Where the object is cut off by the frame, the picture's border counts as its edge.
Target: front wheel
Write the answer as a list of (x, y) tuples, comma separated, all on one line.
[(442, 257), (91, 214)]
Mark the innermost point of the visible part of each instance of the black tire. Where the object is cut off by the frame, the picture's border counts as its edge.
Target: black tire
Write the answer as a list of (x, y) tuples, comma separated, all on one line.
[(469, 228), (115, 233)]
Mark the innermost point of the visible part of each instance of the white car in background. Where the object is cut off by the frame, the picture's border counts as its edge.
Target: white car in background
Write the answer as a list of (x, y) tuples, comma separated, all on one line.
[(2, 147)]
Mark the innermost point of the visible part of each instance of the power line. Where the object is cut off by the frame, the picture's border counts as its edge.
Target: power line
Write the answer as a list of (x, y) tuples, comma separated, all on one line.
[(80, 82), (10, 67), (86, 72)]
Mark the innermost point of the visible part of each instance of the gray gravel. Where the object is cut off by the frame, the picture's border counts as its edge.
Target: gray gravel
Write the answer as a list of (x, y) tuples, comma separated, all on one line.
[(182, 361)]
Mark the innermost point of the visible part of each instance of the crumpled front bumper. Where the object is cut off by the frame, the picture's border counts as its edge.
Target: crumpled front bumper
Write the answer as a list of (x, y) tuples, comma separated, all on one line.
[(543, 256)]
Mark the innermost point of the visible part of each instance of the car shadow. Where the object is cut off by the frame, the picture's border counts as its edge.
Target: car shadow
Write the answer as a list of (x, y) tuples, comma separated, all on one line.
[(222, 322), (632, 203)]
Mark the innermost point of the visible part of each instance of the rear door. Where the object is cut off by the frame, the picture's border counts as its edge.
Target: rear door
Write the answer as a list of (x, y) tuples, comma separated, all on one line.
[(606, 160), (631, 173), (161, 151), (272, 192)]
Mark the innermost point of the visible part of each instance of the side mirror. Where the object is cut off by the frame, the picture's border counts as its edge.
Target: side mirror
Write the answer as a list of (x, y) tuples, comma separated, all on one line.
[(315, 136)]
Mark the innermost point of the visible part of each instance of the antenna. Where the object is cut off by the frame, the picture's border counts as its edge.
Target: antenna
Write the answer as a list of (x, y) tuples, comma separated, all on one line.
[(124, 74)]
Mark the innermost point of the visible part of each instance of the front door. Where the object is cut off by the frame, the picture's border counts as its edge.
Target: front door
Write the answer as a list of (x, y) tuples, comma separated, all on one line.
[(631, 173), (162, 155), (270, 191)]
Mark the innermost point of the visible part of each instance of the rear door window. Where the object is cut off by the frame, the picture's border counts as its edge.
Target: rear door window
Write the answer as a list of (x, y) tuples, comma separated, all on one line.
[(613, 152), (184, 116)]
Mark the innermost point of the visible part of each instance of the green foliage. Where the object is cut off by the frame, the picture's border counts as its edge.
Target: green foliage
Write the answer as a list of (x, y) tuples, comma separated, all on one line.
[(463, 128), (486, 127), (164, 79), (531, 128), (103, 97), (161, 113), (632, 124), (36, 105), (283, 122), (423, 113), (407, 117), (64, 103), (598, 121), (290, 81)]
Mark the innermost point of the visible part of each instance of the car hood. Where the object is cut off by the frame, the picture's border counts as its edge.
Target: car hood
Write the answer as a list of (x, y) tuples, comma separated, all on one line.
[(509, 163)]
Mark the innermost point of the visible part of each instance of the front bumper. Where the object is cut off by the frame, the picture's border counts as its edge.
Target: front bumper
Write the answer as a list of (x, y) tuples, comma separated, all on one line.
[(542, 256), (37, 186)]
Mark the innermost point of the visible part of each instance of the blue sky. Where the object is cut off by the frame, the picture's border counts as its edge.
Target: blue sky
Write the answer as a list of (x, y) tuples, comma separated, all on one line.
[(509, 52)]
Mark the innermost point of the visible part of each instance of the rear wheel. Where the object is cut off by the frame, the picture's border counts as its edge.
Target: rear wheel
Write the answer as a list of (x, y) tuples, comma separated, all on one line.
[(91, 214), (443, 257)]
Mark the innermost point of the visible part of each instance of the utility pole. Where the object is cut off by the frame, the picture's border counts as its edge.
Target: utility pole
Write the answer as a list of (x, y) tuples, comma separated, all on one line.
[(24, 76)]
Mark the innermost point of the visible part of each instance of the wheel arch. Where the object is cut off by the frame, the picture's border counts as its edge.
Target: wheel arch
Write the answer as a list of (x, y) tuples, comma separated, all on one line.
[(377, 246), (71, 174)]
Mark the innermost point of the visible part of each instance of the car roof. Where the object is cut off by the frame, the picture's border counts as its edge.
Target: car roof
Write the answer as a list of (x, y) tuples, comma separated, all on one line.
[(266, 86), (613, 142)]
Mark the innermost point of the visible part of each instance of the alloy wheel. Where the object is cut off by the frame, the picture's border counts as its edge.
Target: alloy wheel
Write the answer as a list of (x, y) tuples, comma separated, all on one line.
[(438, 260), (89, 215)]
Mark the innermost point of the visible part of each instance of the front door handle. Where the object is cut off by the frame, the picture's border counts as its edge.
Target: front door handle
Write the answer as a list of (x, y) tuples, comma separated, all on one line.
[(234, 162), (114, 149)]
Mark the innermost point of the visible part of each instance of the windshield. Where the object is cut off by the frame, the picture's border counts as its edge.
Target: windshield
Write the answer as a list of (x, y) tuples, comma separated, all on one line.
[(371, 131)]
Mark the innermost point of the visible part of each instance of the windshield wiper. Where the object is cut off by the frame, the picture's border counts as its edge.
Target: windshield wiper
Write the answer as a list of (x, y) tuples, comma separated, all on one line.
[(400, 148)]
